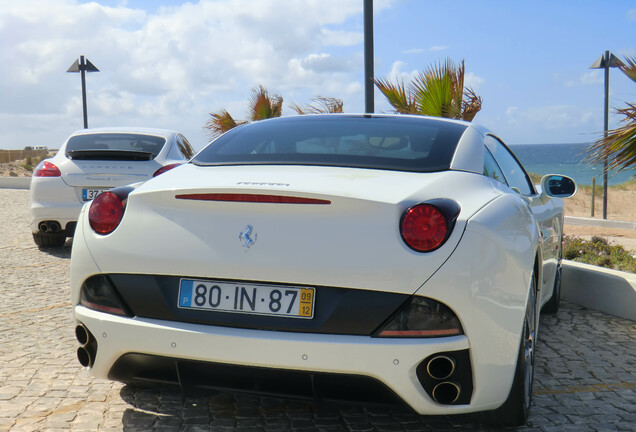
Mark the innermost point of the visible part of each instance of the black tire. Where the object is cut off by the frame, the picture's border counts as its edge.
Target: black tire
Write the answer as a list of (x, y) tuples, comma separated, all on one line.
[(552, 306), (516, 409), (49, 240)]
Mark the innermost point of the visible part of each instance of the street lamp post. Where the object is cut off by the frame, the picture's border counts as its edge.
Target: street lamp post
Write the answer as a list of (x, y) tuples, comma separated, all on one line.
[(83, 65), (368, 57), (606, 61)]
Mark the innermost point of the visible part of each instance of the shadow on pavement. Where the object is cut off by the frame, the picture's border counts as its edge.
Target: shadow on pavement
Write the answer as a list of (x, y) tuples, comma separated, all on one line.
[(159, 408)]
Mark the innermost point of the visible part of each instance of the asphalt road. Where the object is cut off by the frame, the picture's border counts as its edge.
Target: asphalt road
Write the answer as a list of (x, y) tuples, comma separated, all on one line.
[(585, 378)]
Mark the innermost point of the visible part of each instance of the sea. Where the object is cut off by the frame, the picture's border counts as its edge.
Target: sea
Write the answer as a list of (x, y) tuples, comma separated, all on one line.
[(567, 159)]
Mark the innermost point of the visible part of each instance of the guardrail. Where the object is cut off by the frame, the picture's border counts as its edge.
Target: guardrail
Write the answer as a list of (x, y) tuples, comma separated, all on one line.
[(14, 155)]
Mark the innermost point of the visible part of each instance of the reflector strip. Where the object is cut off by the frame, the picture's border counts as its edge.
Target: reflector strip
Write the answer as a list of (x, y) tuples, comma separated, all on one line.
[(416, 333), (253, 198), (103, 308)]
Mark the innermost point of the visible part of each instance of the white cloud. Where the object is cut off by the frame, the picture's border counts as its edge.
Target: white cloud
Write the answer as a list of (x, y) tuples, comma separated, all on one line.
[(341, 38), (397, 72), (438, 48), (473, 81), (172, 67), (554, 117), (589, 78)]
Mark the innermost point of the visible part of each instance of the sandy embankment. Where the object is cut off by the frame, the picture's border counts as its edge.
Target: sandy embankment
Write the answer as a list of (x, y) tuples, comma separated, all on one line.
[(621, 205)]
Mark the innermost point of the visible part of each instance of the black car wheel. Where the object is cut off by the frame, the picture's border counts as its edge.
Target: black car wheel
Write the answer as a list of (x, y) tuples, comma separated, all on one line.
[(49, 239)]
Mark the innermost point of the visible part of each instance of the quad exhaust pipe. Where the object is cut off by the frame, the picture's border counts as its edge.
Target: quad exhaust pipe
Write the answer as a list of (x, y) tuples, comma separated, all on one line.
[(50, 227), (447, 377), (88, 346), (441, 368)]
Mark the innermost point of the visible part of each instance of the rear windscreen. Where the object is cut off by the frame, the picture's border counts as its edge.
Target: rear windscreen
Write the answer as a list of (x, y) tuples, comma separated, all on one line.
[(125, 142), (398, 143)]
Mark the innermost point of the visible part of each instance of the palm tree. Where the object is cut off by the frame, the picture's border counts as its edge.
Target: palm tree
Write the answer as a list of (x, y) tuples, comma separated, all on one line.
[(262, 106), (618, 147), (322, 105), (437, 91)]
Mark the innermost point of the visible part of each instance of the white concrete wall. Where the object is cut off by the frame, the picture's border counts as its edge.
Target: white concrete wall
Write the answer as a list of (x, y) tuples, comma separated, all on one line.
[(606, 290), (15, 182)]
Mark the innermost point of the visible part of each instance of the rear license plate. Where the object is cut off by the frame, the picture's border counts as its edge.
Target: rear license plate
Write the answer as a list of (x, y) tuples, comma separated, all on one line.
[(89, 194), (290, 302)]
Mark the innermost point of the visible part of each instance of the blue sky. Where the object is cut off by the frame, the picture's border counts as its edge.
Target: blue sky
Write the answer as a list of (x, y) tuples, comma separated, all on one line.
[(170, 63)]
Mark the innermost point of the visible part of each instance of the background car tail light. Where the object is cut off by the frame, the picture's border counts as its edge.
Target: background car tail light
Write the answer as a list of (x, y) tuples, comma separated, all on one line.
[(107, 210), (425, 227), (422, 317), (165, 168), (46, 169)]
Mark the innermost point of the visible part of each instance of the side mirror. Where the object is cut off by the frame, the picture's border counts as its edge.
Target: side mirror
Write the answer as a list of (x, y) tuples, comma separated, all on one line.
[(558, 186)]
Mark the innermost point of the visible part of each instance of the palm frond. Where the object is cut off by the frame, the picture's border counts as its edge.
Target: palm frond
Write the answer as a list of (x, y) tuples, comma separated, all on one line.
[(322, 105), (619, 146), (436, 91), (220, 123), (630, 68), (433, 91), (471, 105), (396, 94), (264, 106)]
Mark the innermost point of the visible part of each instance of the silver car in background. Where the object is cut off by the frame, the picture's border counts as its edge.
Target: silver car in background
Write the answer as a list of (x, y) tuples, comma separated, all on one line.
[(90, 162)]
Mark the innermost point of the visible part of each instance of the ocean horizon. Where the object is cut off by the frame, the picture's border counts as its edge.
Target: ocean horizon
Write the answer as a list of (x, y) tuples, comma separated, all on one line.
[(566, 159)]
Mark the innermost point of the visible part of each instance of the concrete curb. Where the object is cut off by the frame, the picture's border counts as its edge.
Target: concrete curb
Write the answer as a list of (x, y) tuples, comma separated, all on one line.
[(15, 182), (580, 221), (609, 291)]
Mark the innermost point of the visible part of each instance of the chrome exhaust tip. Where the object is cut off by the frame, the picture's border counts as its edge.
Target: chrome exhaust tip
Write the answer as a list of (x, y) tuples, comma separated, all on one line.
[(446, 393), (84, 356), (82, 335), (440, 367)]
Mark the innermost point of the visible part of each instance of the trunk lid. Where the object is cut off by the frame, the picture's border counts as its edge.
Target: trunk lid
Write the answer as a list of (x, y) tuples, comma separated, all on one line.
[(353, 241), (106, 173)]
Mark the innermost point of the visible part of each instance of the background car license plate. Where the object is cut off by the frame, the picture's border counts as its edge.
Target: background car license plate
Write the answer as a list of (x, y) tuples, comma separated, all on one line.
[(89, 194), (291, 302)]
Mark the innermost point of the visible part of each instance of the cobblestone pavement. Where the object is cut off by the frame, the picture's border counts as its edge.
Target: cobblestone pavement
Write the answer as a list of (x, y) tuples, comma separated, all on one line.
[(585, 379)]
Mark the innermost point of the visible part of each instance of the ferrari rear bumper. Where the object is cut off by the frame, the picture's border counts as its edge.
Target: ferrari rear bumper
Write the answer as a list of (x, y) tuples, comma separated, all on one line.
[(211, 351)]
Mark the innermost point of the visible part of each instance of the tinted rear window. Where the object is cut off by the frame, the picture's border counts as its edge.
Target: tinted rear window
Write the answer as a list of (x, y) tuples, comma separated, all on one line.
[(117, 141), (397, 143)]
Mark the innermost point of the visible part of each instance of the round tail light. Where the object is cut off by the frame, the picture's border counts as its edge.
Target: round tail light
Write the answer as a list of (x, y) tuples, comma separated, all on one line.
[(105, 213), (424, 227)]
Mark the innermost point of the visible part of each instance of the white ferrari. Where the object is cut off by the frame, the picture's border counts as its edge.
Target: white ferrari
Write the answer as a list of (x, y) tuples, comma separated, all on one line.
[(90, 162), (373, 258)]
